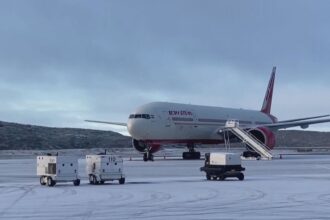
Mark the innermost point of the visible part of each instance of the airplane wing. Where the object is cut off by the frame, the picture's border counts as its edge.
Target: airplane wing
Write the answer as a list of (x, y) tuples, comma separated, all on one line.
[(108, 122), (302, 119), (301, 123)]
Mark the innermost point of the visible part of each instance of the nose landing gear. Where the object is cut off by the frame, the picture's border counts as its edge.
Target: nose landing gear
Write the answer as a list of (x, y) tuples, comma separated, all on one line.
[(147, 156)]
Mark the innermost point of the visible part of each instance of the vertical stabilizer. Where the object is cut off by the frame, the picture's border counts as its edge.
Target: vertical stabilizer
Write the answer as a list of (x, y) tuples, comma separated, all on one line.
[(267, 105)]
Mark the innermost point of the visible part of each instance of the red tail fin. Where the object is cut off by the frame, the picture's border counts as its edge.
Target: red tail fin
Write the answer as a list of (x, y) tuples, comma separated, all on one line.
[(267, 105)]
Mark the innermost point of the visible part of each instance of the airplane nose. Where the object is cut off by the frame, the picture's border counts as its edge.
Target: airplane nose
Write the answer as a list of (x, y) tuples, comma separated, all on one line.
[(137, 128)]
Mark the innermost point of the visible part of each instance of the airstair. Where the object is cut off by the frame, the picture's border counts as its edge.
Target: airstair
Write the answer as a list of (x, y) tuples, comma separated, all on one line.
[(255, 144)]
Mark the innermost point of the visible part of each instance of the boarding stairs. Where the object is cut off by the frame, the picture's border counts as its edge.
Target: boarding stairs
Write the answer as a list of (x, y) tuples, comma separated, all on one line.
[(255, 144)]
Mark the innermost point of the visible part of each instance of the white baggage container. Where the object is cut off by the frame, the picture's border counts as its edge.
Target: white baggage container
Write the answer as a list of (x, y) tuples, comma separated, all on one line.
[(54, 169), (225, 159), (101, 168), (222, 165)]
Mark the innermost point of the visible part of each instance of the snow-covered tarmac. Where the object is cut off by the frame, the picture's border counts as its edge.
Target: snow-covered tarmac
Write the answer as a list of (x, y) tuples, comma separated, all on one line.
[(296, 187)]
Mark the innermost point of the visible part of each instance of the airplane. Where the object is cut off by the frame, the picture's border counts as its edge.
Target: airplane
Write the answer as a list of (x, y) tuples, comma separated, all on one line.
[(162, 123)]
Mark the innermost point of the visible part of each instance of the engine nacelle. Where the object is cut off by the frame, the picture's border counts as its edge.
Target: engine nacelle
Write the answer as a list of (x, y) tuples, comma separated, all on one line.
[(142, 146), (139, 145), (264, 135)]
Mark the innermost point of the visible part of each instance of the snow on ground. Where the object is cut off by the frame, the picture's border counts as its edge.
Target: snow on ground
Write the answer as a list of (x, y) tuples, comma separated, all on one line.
[(296, 187)]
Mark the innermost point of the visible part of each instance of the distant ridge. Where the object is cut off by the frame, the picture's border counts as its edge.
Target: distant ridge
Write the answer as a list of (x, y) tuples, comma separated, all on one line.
[(14, 136), (301, 139)]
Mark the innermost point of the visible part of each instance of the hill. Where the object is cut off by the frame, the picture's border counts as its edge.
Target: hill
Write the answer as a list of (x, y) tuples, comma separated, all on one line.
[(298, 139), (15, 136)]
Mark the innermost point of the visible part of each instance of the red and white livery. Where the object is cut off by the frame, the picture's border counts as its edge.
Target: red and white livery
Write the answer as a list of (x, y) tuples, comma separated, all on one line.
[(161, 123)]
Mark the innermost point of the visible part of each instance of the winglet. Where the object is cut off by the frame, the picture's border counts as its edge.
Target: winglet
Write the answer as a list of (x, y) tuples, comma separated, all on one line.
[(266, 106)]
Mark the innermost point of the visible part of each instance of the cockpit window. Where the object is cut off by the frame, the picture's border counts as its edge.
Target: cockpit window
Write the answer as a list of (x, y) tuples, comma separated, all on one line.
[(145, 116)]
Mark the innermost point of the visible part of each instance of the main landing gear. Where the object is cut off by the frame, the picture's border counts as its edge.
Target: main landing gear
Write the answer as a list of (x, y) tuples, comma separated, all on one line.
[(251, 154), (148, 156), (191, 154)]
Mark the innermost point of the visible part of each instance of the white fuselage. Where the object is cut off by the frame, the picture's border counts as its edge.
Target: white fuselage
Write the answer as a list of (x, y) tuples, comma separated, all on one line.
[(178, 123)]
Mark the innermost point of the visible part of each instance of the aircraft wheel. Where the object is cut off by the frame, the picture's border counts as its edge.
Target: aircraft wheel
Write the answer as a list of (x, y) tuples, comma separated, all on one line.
[(191, 155), (121, 180), (76, 182), (197, 155), (145, 157)]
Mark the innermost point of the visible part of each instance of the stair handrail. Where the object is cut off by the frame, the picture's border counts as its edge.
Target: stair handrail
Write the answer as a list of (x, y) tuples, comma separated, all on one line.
[(232, 124)]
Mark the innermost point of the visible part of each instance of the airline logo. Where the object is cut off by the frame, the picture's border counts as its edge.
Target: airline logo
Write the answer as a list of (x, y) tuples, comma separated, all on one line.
[(266, 106), (181, 113)]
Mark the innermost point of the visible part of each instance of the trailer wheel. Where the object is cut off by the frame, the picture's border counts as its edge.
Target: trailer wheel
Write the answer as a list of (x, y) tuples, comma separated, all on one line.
[(121, 180), (208, 177), (214, 178), (102, 182), (42, 182), (222, 177), (76, 182), (50, 182), (95, 182), (241, 176)]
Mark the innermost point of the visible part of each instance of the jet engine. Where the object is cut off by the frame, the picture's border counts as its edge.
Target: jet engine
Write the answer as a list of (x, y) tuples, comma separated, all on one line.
[(264, 135), (143, 147), (139, 145)]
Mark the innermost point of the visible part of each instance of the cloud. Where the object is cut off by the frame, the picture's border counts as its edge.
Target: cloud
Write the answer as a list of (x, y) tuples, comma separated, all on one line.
[(63, 61)]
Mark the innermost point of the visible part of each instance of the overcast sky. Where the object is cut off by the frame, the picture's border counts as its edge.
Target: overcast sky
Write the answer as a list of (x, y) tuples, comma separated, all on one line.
[(65, 61)]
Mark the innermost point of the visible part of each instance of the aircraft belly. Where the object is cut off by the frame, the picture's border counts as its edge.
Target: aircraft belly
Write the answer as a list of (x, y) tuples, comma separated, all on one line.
[(183, 132)]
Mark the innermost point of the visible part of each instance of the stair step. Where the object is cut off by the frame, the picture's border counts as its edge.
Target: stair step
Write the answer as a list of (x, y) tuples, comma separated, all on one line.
[(254, 143)]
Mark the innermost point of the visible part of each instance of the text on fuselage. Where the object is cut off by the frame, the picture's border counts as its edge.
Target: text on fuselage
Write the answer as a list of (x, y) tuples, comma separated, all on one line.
[(182, 113)]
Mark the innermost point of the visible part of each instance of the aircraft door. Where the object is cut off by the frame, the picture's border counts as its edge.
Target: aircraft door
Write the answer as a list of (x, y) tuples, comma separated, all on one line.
[(167, 119)]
